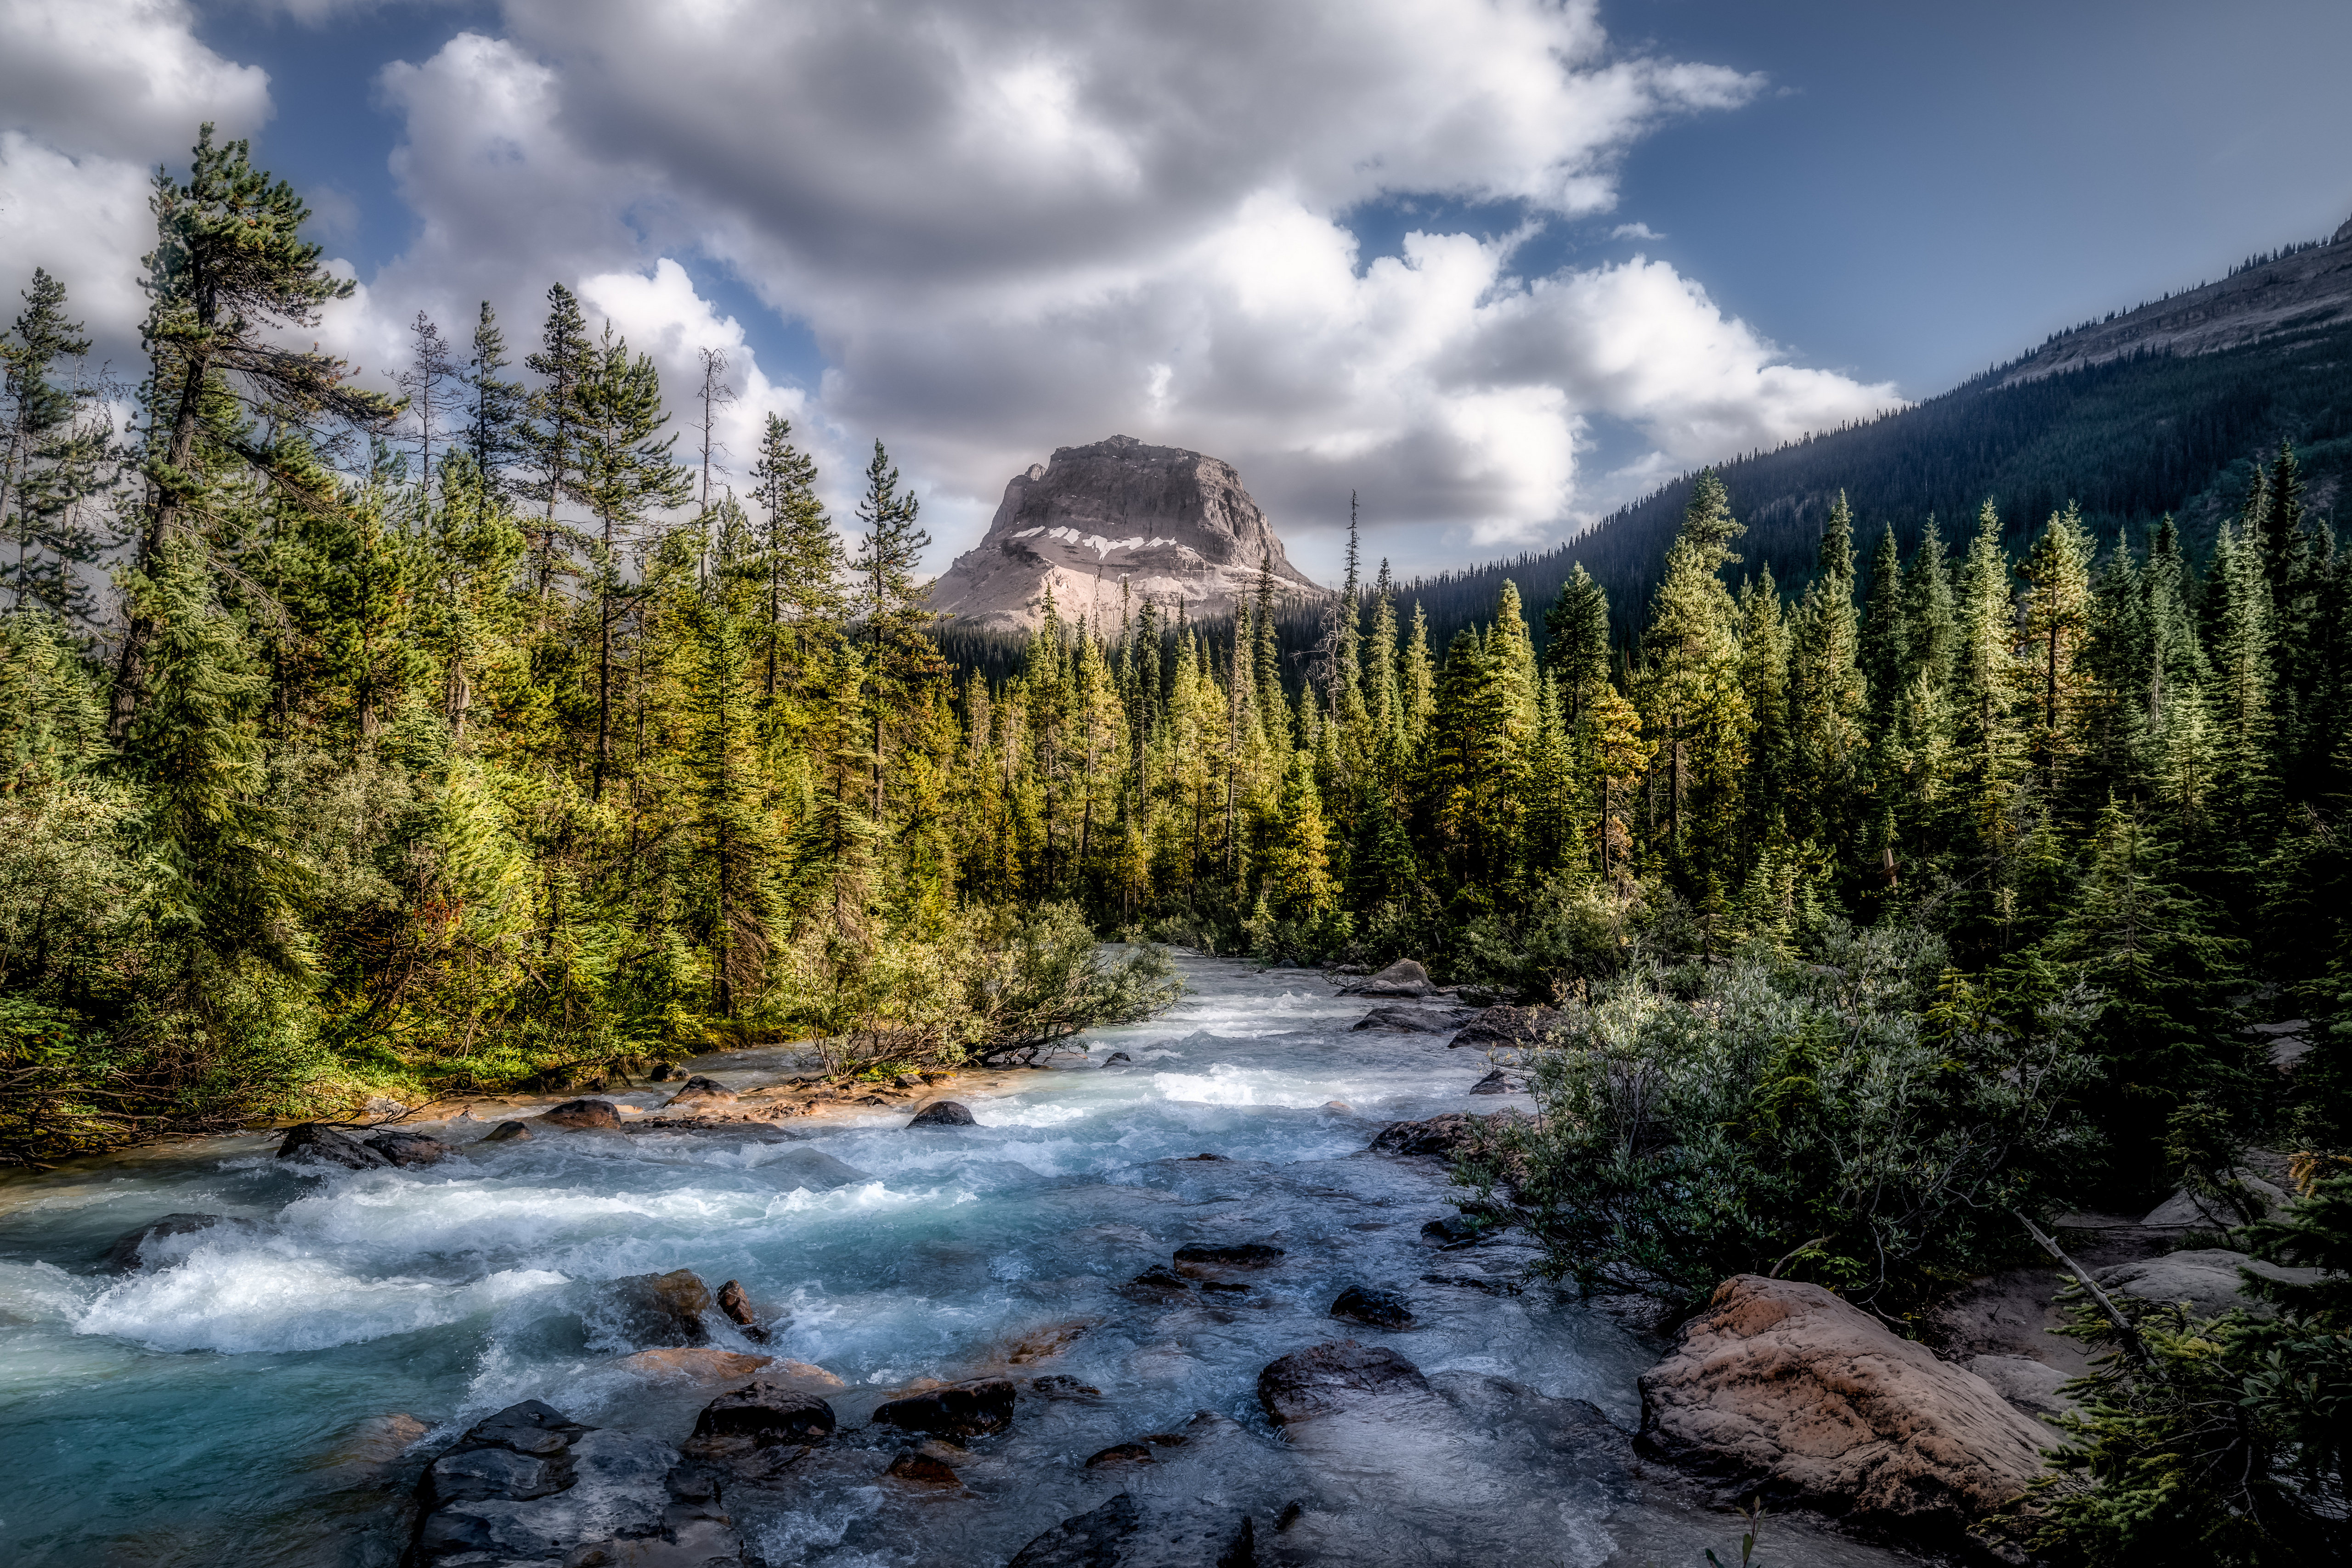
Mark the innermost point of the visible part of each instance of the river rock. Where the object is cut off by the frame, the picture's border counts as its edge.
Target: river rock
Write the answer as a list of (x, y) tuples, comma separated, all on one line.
[(1156, 1283), (1167, 1532), (697, 1365), (1408, 1020), (1327, 1378), (768, 1413), (1442, 1137), (1373, 1307), (1405, 978), (409, 1148), (577, 1116), (507, 1133), (737, 1307), (1780, 1383), (1508, 1028), (1231, 1255), (531, 1485), (333, 1145), (971, 1409), (1495, 1083), (943, 1113), (1060, 1386), (701, 1091), (2205, 1280), (923, 1469), (658, 1309), (1120, 1453), (127, 1252)]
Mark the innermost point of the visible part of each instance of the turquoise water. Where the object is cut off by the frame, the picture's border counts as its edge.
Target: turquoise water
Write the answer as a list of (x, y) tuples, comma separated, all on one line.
[(242, 1404)]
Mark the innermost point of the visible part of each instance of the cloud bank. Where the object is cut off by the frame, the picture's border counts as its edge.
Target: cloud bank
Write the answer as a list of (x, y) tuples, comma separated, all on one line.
[(1010, 226)]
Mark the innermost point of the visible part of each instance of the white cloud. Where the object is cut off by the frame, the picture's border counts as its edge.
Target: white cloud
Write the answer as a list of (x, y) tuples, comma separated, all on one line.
[(1012, 225), (1634, 231)]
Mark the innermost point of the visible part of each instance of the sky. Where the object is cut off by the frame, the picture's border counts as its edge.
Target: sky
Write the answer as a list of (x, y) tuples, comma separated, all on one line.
[(1496, 265)]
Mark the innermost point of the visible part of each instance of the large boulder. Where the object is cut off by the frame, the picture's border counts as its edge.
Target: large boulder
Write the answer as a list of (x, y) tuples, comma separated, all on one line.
[(1326, 1379), (579, 1115), (1508, 1028), (326, 1144), (403, 1148), (700, 1091), (2204, 1280), (1783, 1388), (1405, 978), (2187, 1210), (1397, 1019), (767, 1414), (531, 1485), (656, 1309), (943, 1113), (2032, 1385)]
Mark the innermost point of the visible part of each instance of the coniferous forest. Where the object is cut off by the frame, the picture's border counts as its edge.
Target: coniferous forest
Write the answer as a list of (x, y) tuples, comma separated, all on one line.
[(478, 736)]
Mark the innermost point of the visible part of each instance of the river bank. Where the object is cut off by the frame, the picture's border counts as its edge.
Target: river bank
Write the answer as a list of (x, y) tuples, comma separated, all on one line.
[(265, 1390)]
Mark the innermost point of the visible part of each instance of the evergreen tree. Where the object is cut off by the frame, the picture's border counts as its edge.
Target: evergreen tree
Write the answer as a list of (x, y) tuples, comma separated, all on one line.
[(230, 272), (804, 561), (1885, 655), (890, 601), (2057, 620), (496, 432), (429, 387), (50, 468), (1576, 642), (1692, 703), (553, 438), (1826, 745)]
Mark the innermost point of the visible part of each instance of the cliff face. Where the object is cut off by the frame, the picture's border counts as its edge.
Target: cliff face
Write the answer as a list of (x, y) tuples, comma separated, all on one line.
[(2310, 289), (1172, 525)]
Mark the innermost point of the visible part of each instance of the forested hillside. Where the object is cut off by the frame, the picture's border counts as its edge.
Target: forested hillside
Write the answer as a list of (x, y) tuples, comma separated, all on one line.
[(2127, 440)]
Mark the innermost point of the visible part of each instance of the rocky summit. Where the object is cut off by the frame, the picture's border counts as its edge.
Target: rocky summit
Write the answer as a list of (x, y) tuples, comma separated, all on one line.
[(1174, 527)]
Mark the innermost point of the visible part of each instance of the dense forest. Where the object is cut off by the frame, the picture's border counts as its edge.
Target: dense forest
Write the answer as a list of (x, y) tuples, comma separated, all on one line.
[(476, 738)]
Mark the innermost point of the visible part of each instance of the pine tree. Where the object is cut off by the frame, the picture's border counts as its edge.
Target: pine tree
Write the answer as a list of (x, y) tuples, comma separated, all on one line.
[(1826, 745), (553, 437), (2056, 619), (1576, 642), (890, 601), (429, 387), (1931, 623), (1886, 635), (495, 429), (51, 467), (229, 273), (1691, 700)]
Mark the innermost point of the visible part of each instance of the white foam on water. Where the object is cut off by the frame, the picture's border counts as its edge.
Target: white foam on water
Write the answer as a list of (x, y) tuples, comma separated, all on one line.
[(243, 1299), (42, 1293)]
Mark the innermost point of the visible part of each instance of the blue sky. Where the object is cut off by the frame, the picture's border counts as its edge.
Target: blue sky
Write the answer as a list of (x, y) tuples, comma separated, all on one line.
[(1839, 204)]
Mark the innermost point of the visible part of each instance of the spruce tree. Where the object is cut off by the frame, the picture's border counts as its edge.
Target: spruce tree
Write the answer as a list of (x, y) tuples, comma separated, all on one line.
[(1692, 703), (430, 385), (1826, 746), (553, 439), (495, 429), (51, 470), (229, 279), (2057, 618), (1886, 635), (804, 561), (890, 601), (1576, 642)]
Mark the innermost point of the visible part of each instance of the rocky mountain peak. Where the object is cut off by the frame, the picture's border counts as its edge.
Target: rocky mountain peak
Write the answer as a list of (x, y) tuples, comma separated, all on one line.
[(1174, 526)]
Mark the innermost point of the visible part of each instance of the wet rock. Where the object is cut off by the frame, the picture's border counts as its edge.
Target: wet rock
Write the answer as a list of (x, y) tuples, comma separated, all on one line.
[(1225, 1287), (1057, 1386), (1444, 1137), (1204, 1157), (332, 1145), (703, 1365), (922, 1470), (943, 1113), (972, 1409), (1409, 1020), (701, 1091), (1327, 1378), (2205, 1280), (1463, 1229), (1373, 1307), (1159, 1277), (2031, 1385), (410, 1148), (1508, 1028), (768, 1414), (1491, 1283), (1119, 1454), (1043, 1344), (1094, 1539), (1405, 978), (126, 1252), (1117, 1056), (1495, 1083), (737, 1307), (577, 1116), (1779, 1383), (662, 1073), (1235, 1255), (660, 1309), (531, 1485), (507, 1133)]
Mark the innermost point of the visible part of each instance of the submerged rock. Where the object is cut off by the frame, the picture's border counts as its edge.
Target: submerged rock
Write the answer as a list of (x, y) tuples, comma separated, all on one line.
[(576, 1115), (923, 1469), (943, 1113), (1780, 1382), (1327, 1378), (972, 1409), (507, 1132), (700, 1365), (1373, 1307), (1164, 1532), (701, 1091), (1120, 1453), (1405, 978), (531, 1485), (1409, 1020), (1232, 1255), (1160, 1277), (127, 1252), (659, 1310), (1058, 1386)]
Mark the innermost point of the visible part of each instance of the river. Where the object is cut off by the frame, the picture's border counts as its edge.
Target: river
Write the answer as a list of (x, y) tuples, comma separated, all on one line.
[(249, 1401)]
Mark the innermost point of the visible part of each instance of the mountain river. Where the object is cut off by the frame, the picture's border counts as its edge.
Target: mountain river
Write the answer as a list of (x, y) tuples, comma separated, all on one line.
[(264, 1391)]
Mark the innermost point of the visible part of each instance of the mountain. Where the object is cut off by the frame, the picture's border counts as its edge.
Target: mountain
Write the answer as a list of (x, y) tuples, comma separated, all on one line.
[(2164, 408), (1175, 527)]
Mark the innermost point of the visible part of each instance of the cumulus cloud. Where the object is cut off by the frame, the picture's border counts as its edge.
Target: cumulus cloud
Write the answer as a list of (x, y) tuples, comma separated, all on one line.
[(1012, 225), (1634, 231)]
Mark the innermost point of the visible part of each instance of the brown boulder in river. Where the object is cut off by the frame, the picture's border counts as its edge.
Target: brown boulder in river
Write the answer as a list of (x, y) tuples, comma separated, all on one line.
[(1405, 978), (1780, 1383), (576, 1114)]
